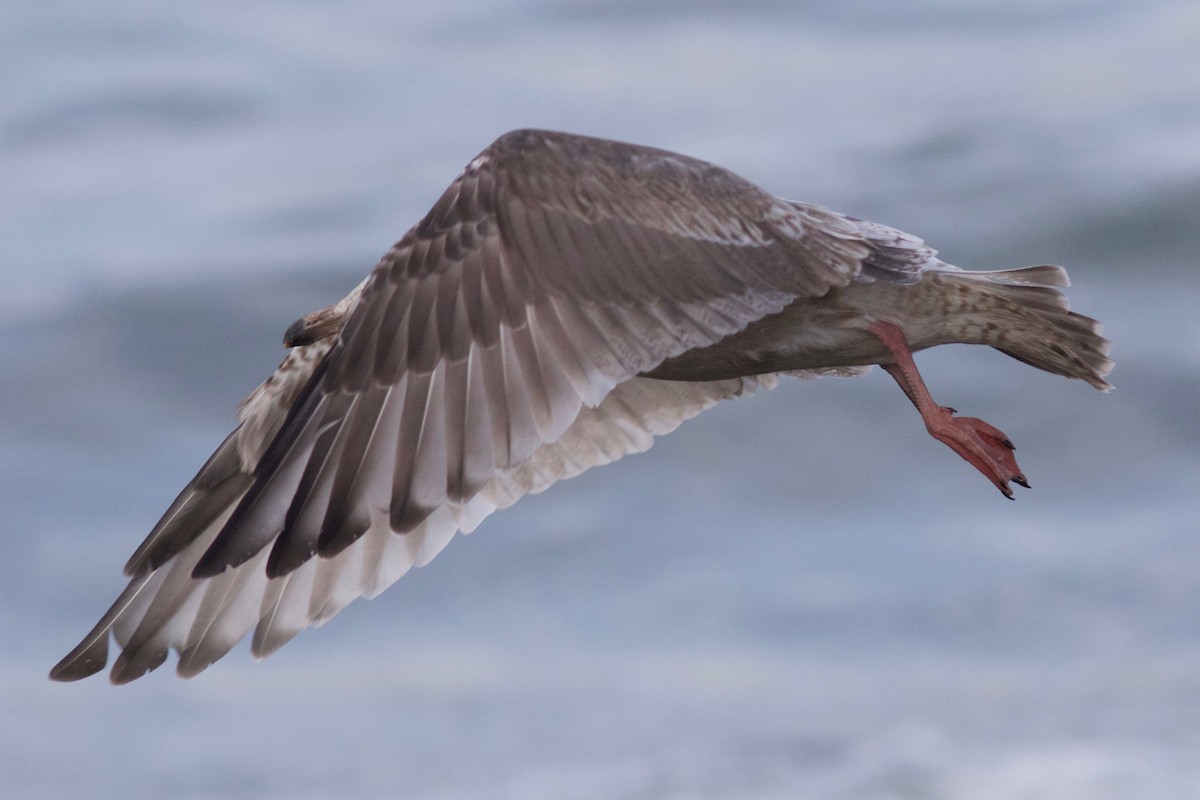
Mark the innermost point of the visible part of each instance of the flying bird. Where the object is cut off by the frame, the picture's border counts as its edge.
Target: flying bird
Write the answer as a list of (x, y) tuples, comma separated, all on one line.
[(566, 300)]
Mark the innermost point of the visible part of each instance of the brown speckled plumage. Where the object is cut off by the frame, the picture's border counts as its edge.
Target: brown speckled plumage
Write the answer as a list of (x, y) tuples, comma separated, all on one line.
[(566, 300)]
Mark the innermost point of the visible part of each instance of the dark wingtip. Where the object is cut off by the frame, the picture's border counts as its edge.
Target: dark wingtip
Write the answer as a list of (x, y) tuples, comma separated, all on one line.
[(82, 662), (287, 554), (207, 568), (214, 561), (130, 666)]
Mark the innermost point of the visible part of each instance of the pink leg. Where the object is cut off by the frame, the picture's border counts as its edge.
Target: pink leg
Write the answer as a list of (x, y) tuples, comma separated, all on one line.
[(983, 446)]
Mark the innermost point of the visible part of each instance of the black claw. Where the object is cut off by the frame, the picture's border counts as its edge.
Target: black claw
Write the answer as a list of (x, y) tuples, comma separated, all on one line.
[(1009, 444), (1021, 481)]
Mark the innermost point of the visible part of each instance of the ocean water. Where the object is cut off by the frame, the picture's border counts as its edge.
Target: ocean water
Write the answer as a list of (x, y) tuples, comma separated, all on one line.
[(797, 594)]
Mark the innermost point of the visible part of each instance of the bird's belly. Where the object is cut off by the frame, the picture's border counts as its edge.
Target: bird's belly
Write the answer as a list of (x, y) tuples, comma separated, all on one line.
[(808, 334), (822, 332)]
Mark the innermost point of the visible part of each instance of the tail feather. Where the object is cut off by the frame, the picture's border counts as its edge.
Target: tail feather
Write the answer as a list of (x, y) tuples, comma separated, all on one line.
[(1030, 320)]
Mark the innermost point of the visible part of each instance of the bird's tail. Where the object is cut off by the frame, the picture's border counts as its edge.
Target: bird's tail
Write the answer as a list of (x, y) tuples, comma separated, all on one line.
[(1023, 313)]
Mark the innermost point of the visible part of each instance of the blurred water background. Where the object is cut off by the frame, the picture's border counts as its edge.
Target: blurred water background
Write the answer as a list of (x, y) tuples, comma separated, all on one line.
[(798, 595)]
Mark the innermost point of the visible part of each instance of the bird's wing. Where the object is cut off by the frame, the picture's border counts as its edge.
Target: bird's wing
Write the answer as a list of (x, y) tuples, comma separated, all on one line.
[(626, 421), (893, 255), (553, 269)]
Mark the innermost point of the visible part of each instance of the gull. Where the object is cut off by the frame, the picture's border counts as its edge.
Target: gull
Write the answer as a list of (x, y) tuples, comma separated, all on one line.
[(566, 300)]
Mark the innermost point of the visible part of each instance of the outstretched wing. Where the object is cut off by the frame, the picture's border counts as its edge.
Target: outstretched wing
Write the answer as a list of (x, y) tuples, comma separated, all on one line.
[(554, 270)]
